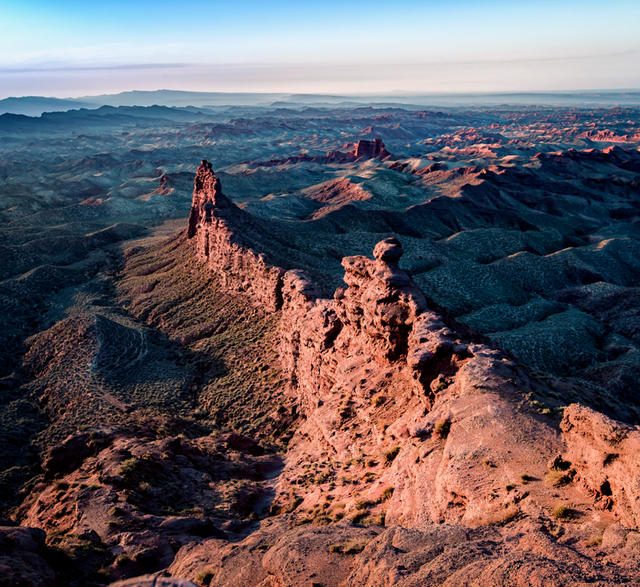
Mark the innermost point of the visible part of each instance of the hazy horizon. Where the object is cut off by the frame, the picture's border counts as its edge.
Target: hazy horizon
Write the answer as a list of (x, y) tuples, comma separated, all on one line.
[(71, 49)]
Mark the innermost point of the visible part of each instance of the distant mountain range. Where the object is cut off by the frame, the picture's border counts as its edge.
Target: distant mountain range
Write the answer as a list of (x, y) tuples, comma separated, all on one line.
[(36, 105)]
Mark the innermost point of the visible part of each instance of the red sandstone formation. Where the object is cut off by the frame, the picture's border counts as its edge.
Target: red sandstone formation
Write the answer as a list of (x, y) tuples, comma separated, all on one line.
[(214, 221), (423, 456), (370, 150), (362, 151), (442, 427), (605, 452)]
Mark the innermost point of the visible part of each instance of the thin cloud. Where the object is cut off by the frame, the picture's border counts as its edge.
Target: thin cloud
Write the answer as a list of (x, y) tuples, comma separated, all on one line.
[(60, 67), (116, 67)]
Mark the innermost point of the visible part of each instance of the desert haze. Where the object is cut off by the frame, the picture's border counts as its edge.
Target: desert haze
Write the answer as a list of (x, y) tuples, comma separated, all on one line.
[(295, 340)]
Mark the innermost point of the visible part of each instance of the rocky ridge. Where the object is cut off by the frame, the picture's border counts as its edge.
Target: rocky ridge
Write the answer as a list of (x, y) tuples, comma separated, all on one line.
[(158, 335), (417, 424)]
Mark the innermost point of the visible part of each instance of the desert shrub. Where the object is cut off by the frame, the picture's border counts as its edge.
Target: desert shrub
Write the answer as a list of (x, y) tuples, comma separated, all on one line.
[(377, 400), (442, 428), (294, 504), (386, 494), (562, 512), (363, 504), (594, 541), (370, 463), (358, 516), (204, 577), (559, 477), (390, 454), (378, 520), (127, 469), (525, 478), (122, 559), (442, 385), (353, 546), (497, 517), (510, 487)]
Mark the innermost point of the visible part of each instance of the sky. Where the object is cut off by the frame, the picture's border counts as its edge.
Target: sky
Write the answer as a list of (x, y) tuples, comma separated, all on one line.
[(73, 48)]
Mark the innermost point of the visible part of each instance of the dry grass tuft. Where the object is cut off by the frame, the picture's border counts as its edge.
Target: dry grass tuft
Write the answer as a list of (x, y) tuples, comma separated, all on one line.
[(390, 454), (562, 512), (354, 546), (496, 518), (442, 428)]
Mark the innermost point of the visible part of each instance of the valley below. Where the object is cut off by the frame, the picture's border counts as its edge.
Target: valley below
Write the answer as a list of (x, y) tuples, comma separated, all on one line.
[(320, 345)]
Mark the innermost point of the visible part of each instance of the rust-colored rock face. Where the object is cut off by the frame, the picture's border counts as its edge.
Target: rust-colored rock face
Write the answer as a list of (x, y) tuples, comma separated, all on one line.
[(423, 456), (606, 455), (213, 222), (371, 149), (381, 316)]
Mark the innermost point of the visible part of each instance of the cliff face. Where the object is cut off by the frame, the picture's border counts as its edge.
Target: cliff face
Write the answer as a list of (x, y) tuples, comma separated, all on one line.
[(216, 223), (412, 421)]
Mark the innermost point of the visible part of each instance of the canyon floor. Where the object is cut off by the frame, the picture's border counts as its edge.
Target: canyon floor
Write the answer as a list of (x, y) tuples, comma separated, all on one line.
[(375, 345)]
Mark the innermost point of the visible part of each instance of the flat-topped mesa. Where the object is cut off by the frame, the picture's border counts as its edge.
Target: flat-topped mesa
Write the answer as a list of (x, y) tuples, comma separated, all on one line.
[(371, 149), (216, 223)]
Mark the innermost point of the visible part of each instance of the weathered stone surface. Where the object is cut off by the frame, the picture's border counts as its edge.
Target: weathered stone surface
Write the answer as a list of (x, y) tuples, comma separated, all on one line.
[(605, 452), (213, 222), (370, 149), (153, 581), (21, 561), (414, 422)]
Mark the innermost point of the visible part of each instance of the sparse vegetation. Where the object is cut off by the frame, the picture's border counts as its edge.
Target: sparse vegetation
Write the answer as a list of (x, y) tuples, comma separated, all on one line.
[(559, 477), (594, 541), (204, 577), (390, 454), (354, 546), (562, 512), (386, 494), (497, 517), (524, 478), (357, 516), (127, 469), (442, 428)]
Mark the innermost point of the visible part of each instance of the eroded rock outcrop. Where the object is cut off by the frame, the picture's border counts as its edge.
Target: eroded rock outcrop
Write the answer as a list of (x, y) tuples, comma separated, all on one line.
[(605, 452), (424, 455), (381, 315), (371, 149), (21, 557), (362, 151), (215, 221)]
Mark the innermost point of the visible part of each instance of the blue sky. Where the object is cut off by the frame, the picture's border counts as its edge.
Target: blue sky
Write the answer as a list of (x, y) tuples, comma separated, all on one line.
[(73, 48)]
